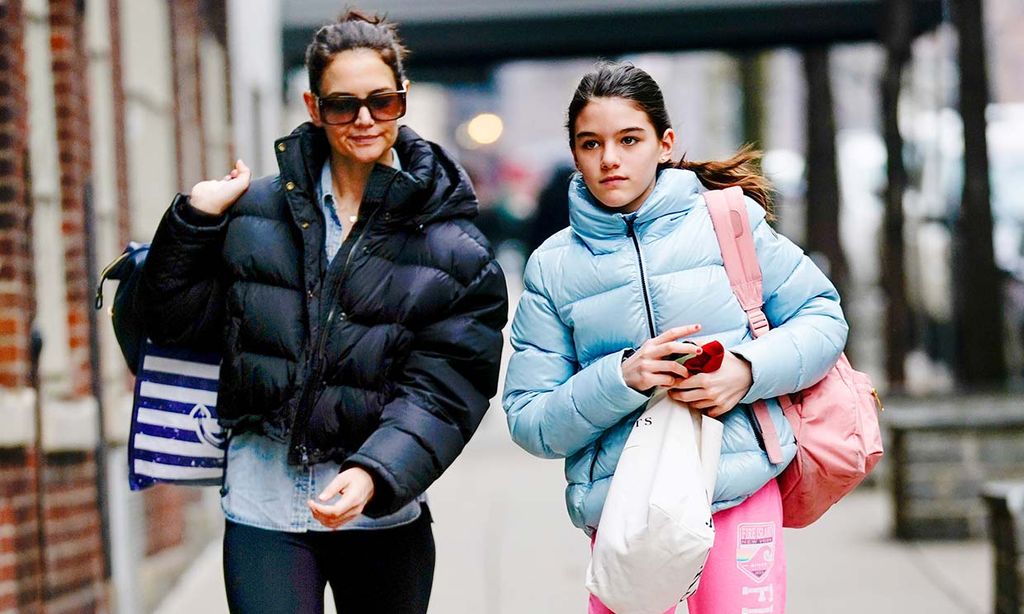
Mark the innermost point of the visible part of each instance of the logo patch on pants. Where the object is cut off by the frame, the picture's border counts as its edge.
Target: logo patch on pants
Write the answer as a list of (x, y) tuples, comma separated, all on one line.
[(755, 549)]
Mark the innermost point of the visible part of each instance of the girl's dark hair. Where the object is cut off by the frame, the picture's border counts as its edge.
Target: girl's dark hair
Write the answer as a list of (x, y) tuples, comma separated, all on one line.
[(355, 30), (623, 80)]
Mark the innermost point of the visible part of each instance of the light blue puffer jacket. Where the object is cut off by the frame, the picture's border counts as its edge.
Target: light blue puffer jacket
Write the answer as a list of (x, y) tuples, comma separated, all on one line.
[(610, 282)]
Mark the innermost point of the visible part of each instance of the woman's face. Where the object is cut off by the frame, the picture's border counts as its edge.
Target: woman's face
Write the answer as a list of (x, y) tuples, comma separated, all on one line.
[(360, 73), (617, 150)]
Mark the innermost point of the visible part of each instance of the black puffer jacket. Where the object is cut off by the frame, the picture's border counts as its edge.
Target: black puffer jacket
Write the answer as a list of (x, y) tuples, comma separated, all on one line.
[(385, 359)]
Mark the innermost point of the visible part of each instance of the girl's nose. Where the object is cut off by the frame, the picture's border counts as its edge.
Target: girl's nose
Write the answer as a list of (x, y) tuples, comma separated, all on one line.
[(609, 159)]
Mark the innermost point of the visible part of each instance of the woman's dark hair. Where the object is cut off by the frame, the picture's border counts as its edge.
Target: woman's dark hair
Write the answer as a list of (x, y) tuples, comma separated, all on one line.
[(355, 30), (623, 80)]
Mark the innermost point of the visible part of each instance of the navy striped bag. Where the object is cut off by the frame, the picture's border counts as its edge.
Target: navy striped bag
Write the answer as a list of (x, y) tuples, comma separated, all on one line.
[(174, 434)]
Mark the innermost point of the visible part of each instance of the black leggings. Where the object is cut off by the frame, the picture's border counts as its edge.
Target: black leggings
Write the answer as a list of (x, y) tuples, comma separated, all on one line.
[(386, 571)]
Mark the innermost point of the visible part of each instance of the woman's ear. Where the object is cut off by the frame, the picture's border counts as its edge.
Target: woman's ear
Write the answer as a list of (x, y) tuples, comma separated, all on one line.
[(312, 109), (405, 85)]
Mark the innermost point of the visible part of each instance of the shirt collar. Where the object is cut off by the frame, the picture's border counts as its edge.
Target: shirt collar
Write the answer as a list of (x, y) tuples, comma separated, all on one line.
[(326, 187)]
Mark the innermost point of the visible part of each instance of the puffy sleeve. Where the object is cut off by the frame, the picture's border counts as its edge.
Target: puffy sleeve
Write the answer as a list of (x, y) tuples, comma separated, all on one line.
[(554, 408), (444, 390)]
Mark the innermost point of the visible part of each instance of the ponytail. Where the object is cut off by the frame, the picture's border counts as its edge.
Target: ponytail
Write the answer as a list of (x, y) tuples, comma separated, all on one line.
[(743, 170)]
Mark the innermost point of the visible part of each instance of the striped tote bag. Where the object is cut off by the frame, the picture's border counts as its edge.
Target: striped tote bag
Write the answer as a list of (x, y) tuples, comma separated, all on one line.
[(174, 435)]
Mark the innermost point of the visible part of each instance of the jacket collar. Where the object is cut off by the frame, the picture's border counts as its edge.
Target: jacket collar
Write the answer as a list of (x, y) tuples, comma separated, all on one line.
[(676, 191), (431, 185)]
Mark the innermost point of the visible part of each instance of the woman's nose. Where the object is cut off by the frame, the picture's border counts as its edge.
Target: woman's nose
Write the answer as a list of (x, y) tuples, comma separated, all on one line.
[(363, 118)]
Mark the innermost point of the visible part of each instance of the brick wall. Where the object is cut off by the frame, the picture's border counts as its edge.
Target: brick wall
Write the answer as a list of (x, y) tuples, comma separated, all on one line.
[(120, 122), (19, 537), (74, 555), (58, 565), (16, 286), (72, 107)]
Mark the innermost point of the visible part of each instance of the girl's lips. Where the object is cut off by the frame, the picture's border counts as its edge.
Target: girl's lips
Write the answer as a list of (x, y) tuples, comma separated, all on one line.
[(613, 179)]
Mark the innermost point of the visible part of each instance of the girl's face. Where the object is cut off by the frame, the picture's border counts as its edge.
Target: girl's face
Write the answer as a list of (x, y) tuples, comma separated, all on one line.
[(617, 151), (360, 73)]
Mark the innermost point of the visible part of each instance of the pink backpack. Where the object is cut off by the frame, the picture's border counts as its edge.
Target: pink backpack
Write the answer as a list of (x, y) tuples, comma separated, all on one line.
[(835, 421)]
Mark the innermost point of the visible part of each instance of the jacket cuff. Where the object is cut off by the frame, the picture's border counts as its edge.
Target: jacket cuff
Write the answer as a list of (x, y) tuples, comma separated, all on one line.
[(602, 395), (182, 207), (384, 500), (759, 355)]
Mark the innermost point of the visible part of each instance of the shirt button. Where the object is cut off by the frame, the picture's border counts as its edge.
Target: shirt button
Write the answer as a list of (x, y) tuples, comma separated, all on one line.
[(305, 225), (289, 186), (281, 147)]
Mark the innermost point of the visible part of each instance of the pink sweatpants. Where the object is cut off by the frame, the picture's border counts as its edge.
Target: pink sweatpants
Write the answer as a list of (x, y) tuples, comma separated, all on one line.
[(746, 569)]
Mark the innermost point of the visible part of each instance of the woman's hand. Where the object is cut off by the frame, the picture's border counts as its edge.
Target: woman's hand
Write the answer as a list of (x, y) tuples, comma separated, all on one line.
[(217, 195), (648, 368), (719, 391), (355, 485)]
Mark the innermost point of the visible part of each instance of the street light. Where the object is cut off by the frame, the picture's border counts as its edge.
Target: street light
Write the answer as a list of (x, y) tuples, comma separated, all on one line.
[(484, 129)]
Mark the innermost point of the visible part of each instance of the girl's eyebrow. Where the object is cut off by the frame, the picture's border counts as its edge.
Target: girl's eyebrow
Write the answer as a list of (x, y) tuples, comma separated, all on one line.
[(583, 135)]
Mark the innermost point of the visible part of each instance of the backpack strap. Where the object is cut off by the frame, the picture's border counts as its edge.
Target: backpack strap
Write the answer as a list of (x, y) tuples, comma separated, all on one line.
[(732, 227)]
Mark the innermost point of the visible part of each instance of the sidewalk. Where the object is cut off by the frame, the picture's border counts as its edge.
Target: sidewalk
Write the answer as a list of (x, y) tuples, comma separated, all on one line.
[(505, 545)]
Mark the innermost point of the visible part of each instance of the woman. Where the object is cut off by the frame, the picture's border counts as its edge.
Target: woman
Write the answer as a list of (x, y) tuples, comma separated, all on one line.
[(359, 313), (639, 271)]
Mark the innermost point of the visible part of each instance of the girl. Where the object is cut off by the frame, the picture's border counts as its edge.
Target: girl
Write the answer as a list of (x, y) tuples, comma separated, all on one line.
[(359, 312), (608, 299)]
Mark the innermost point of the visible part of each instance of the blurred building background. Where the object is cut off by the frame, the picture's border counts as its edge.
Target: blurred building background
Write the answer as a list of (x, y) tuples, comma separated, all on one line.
[(109, 107)]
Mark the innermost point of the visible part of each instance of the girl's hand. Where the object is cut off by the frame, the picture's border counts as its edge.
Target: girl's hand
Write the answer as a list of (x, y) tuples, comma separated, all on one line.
[(719, 391), (647, 368), (216, 196), (355, 486)]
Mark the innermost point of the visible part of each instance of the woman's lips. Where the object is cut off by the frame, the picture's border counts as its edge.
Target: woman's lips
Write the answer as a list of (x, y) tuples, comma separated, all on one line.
[(363, 140)]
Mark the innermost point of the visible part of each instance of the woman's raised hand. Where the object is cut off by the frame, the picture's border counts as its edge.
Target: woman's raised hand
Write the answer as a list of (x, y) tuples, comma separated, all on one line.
[(217, 195), (649, 366)]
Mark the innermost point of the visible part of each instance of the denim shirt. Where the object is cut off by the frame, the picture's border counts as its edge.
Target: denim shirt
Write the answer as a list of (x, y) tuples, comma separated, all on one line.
[(325, 194), (260, 488)]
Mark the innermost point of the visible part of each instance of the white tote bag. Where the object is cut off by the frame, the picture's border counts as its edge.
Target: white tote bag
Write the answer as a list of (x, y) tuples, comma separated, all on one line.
[(656, 528)]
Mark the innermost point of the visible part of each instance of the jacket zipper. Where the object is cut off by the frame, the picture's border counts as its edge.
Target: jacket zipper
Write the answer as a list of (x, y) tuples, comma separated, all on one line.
[(650, 320), (643, 277), (321, 345)]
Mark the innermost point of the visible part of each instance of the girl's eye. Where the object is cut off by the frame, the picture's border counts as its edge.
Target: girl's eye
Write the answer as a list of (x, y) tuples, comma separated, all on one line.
[(589, 145), (630, 140)]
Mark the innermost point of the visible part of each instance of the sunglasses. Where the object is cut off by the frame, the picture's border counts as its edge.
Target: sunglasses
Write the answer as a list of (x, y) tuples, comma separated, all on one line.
[(383, 107)]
